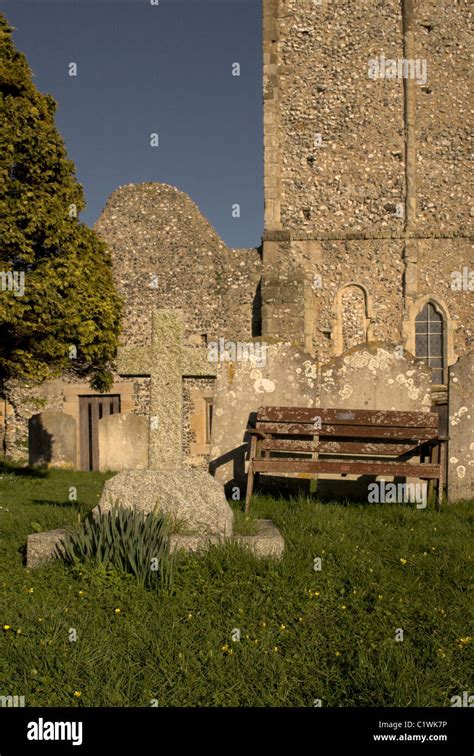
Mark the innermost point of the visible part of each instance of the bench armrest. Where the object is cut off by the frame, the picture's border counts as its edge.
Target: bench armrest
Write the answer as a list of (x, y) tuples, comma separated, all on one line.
[(255, 432)]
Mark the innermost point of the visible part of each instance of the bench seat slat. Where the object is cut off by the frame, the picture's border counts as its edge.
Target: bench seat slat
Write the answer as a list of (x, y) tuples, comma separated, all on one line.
[(348, 417), (337, 447), (346, 467)]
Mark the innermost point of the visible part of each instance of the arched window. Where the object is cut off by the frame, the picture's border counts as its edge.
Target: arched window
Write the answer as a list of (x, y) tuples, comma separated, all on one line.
[(354, 321), (429, 340)]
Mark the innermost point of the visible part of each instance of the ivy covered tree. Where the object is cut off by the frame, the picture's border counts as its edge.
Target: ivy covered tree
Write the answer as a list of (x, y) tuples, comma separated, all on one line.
[(58, 306)]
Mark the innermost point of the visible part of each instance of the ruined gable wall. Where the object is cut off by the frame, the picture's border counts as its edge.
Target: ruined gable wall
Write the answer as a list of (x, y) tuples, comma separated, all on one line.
[(165, 254)]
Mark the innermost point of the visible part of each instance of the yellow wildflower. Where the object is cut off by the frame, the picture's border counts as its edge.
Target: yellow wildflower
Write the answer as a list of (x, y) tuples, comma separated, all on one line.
[(77, 693), (403, 561)]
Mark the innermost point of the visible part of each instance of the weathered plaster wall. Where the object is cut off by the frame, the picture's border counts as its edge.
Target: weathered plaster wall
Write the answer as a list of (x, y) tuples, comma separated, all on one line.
[(288, 379), (373, 377)]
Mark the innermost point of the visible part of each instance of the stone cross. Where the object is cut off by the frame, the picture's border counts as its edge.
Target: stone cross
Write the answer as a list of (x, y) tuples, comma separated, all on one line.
[(165, 362)]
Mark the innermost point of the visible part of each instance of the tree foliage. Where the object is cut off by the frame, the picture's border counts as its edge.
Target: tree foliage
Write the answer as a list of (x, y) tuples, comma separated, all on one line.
[(68, 316)]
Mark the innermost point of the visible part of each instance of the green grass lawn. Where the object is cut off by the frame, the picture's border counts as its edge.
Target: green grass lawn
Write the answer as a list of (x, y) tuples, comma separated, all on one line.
[(304, 634)]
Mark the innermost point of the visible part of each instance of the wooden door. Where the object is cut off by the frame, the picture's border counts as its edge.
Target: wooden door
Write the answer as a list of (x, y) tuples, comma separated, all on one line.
[(91, 410)]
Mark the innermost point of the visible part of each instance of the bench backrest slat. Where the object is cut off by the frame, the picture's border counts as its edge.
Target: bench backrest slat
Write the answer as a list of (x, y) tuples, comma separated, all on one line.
[(388, 418), (421, 434)]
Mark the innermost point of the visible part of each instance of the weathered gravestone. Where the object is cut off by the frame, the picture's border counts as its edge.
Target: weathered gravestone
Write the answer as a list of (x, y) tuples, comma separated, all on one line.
[(376, 376), (52, 439), (461, 429), (191, 498), (123, 442), (165, 362)]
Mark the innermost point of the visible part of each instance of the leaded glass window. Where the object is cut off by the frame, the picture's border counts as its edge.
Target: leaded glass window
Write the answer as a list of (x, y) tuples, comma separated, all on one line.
[(429, 345)]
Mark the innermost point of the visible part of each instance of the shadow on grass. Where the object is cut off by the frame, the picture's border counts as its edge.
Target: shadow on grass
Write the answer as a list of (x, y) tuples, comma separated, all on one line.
[(73, 505), (22, 551), (9, 468), (293, 503)]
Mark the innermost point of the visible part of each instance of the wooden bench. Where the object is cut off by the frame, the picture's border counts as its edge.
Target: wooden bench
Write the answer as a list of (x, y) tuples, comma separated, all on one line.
[(346, 442)]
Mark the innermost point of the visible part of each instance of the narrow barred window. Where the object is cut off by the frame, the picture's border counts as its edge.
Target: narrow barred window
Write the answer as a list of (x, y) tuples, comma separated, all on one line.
[(429, 344)]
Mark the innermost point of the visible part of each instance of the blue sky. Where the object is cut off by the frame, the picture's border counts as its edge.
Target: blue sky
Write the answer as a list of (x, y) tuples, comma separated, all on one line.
[(165, 69)]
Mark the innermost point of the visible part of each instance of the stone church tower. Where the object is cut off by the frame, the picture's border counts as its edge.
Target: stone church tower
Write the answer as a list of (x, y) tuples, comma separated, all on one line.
[(365, 260), (366, 181)]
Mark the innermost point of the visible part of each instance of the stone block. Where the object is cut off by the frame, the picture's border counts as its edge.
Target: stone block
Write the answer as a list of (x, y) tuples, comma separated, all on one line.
[(266, 543), (40, 547)]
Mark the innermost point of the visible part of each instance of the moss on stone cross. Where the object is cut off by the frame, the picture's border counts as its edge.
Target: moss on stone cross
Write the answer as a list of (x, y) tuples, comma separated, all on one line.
[(166, 361)]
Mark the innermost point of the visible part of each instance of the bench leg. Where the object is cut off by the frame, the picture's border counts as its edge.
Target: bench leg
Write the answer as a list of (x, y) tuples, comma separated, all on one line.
[(433, 483), (442, 474), (249, 491), (250, 474)]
